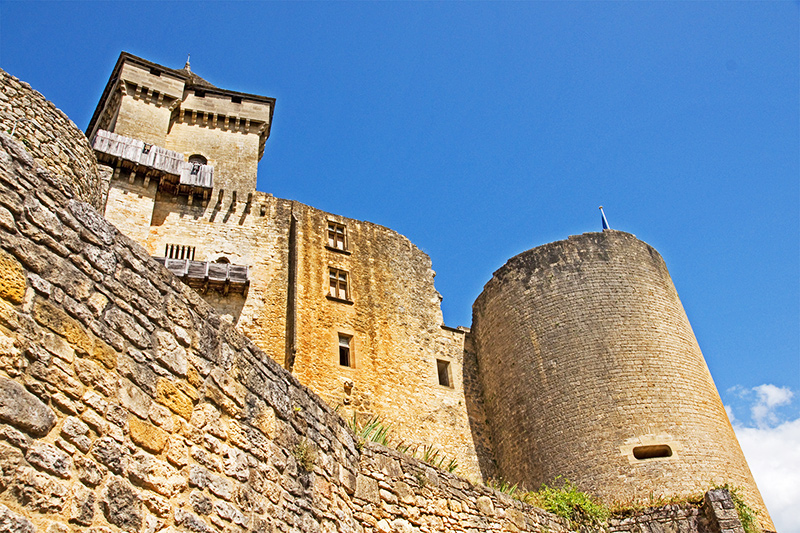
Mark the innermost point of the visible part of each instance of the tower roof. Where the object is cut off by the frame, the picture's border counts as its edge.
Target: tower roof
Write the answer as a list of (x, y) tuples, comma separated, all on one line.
[(190, 79)]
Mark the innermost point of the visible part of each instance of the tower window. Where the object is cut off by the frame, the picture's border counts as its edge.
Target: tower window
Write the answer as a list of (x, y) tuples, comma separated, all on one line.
[(345, 353), (198, 159), (443, 369), (336, 236), (338, 284), (652, 451), (199, 93), (236, 99)]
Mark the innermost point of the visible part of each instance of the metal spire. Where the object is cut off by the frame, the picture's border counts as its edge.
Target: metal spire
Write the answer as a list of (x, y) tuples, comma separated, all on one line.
[(186, 67)]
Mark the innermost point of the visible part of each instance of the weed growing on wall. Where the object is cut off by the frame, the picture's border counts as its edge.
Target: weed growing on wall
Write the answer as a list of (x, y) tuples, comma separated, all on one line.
[(747, 515), (374, 430), (566, 501), (570, 503), (305, 455)]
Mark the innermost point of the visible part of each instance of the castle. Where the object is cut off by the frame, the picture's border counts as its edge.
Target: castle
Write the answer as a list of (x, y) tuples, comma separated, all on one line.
[(580, 361)]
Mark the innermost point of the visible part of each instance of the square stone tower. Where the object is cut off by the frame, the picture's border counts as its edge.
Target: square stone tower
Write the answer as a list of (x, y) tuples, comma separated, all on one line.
[(178, 111)]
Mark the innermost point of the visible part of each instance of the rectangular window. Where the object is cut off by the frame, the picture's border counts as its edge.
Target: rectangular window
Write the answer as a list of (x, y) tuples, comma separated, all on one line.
[(336, 236), (179, 251), (345, 354), (338, 281), (443, 369)]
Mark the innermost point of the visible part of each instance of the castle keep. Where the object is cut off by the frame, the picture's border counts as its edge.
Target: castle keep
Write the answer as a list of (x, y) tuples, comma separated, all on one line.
[(139, 391)]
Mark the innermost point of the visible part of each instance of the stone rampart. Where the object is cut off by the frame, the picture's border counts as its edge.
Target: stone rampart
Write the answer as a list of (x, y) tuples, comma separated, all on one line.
[(54, 141)]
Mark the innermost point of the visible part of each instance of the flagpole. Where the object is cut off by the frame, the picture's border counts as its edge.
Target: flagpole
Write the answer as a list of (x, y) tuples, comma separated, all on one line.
[(603, 219)]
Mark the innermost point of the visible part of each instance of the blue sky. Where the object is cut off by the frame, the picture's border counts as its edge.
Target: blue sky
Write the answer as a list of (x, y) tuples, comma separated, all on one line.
[(480, 130)]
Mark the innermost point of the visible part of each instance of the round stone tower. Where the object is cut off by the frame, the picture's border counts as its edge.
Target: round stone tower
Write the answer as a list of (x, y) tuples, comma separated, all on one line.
[(591, 371)]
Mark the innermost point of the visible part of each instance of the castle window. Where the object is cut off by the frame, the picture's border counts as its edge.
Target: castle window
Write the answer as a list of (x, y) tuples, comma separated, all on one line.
[(338, 284), (652, 451), (154, 71), (336, 236), (199, 93), (443, 369), (345, 353), (236, 99), (179, 251), (198, 159)]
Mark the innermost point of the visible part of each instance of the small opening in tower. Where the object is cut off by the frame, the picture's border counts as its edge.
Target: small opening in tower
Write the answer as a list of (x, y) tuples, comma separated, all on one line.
[(345, 357), (236, 99), (199, 93), (443, 369), (652, 451), (199, 159), (154, 71)]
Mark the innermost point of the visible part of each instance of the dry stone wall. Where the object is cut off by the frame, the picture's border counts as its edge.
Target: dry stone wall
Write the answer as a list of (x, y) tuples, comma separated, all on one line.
[(54, 141)]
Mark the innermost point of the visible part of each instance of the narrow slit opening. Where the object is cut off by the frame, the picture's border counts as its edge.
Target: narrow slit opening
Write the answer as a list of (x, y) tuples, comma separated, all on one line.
[(652, 451)]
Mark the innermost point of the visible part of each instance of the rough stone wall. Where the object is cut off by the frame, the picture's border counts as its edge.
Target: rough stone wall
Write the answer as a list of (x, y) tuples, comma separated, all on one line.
[(585, 353), (53, 140), (126, 404)]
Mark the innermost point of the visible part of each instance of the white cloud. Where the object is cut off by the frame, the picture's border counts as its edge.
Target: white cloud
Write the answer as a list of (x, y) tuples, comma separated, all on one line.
[(774, 458), (772, 449), (769, 397)]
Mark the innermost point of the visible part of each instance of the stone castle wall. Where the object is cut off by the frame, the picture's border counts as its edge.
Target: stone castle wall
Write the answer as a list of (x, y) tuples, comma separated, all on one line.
[(53, 140), (126, 404), (393, 314), (589, 334)]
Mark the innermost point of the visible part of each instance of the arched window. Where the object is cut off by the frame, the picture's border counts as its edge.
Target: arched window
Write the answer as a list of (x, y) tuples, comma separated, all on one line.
[(199, 159), (222, 259)]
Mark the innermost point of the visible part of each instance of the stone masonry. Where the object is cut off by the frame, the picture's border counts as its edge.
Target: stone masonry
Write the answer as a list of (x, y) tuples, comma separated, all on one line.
[(132, 402), (128, 405), (589, 330)]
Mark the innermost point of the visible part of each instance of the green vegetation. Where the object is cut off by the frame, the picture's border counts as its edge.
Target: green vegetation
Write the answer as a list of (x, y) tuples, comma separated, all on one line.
[(565, 501), (374, 430), (747, 515), (570, 503), (306, 455)]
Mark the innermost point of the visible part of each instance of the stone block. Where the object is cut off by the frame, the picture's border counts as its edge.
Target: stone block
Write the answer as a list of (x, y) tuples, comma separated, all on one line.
[(22, 409), (167, 394), (60, 322), (82, 506), (110, 454), (147, 436), (367, 489), (49, 458), (12, 279), (122, 506), (11, 522)]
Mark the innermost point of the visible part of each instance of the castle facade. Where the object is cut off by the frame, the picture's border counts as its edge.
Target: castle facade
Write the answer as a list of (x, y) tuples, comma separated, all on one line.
[(580, 361)]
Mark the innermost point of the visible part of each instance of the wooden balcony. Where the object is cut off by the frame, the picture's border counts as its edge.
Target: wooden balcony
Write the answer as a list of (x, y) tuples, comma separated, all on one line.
[(204, 276)]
